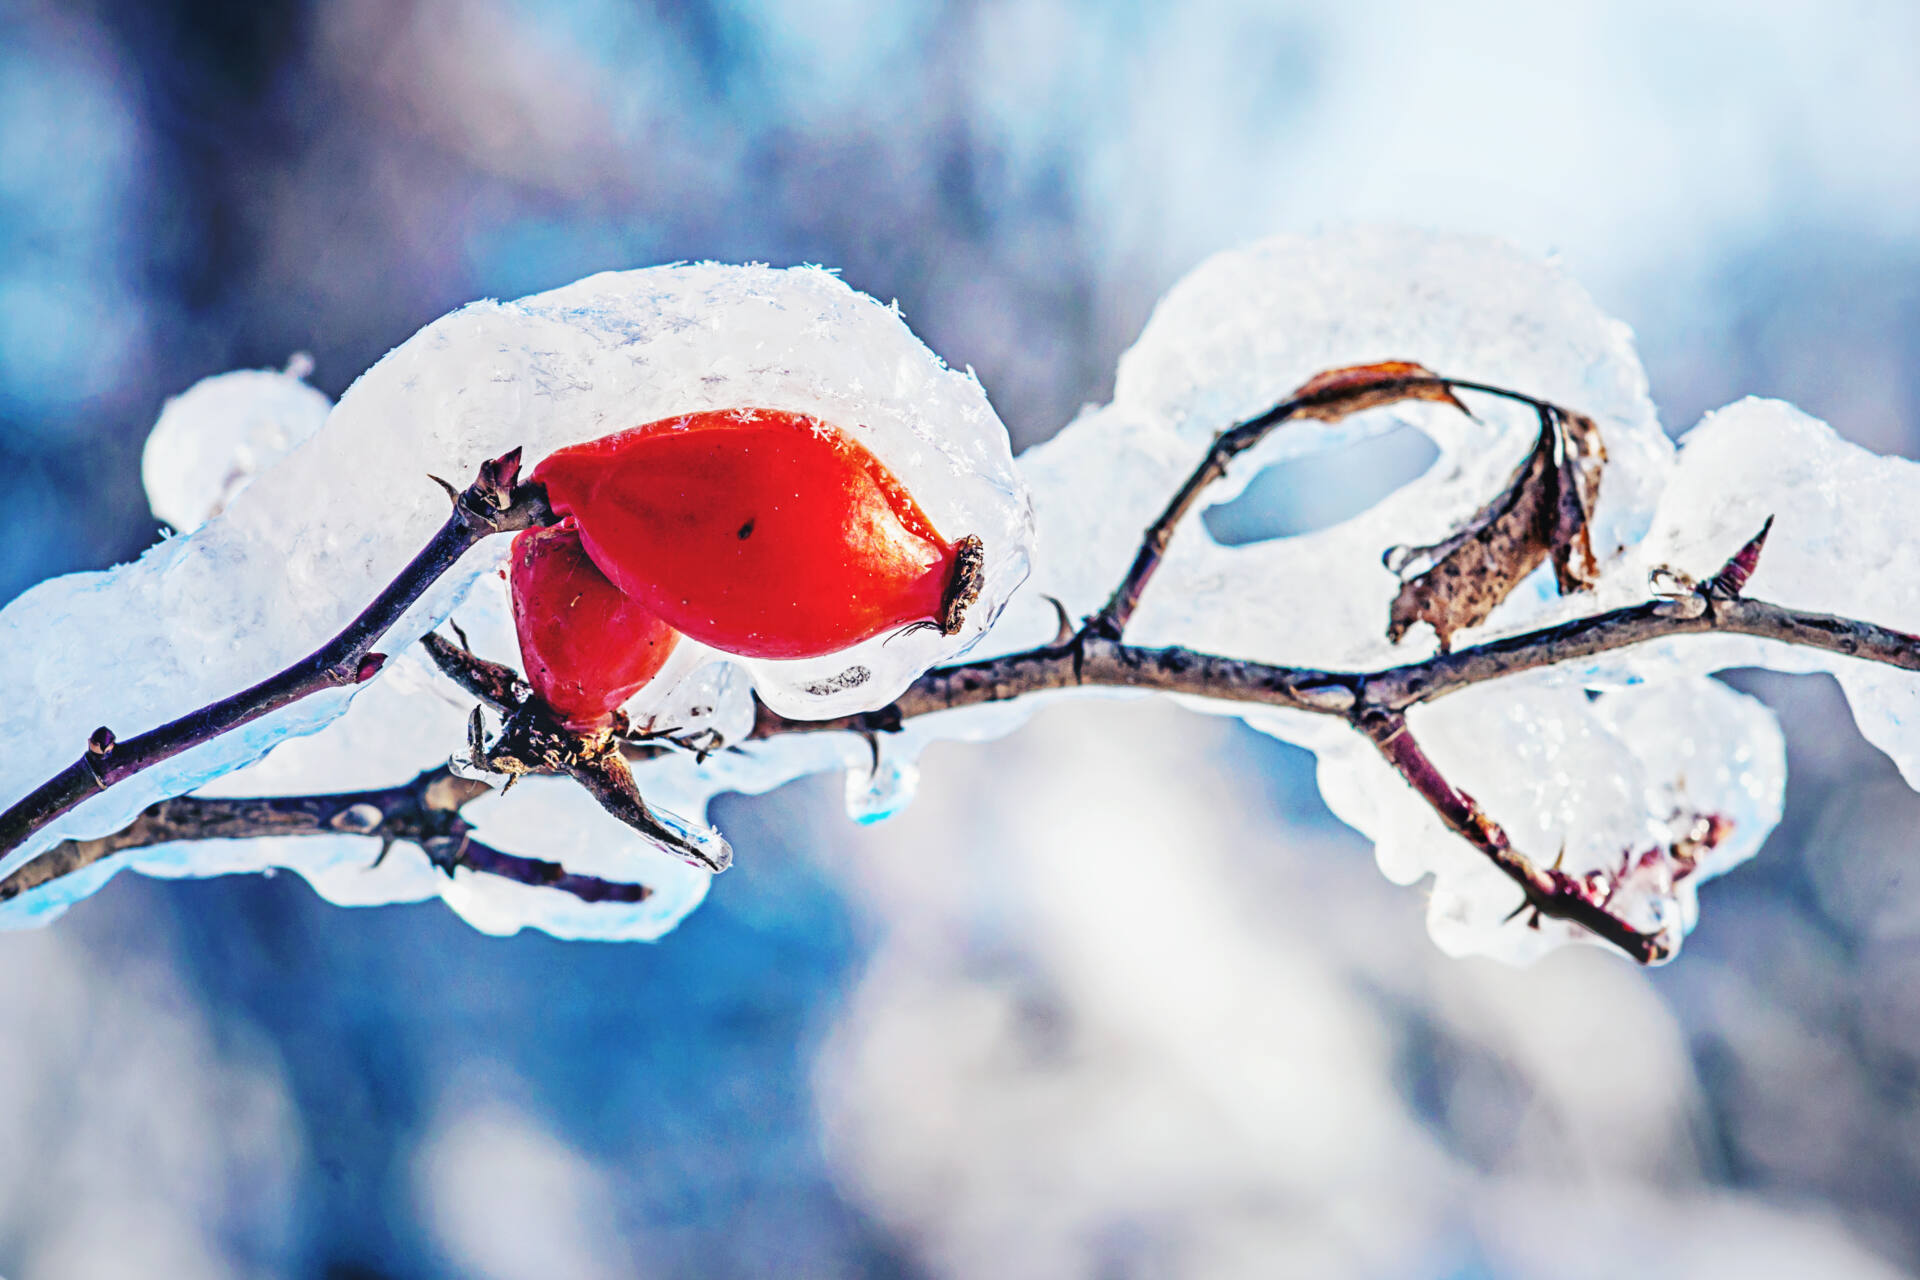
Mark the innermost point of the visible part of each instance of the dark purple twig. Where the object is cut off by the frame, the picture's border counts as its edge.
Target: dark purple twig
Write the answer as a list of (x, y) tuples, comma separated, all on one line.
[(494, 503), (425, 812), (475, 856), (1548, 890)]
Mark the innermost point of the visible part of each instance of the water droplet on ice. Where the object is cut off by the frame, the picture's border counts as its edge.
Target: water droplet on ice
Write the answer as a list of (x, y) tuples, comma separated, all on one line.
[(874, 795)]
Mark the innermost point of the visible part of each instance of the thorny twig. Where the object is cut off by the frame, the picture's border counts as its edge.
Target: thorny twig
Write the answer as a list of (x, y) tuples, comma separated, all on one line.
[(496, 502), (424, 812), (1374, 702)]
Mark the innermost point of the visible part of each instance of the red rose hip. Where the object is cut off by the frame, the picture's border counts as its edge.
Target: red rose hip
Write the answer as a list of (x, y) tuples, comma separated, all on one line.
[(762, 533), (587, 646)]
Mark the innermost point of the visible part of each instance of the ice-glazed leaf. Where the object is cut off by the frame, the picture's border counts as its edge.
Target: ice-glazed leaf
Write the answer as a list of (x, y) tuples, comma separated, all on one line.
[(1543, 512), (1579, 457), (1355, 387)]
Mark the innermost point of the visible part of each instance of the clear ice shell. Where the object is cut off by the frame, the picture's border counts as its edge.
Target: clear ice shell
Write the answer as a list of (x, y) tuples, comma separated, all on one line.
[(309, 541)]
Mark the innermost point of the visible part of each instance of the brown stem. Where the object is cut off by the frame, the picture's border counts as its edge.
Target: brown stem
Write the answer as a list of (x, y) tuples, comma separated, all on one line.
[(1093, 662), (1547, 890), (494, 503), (534, 740), (425, 812)]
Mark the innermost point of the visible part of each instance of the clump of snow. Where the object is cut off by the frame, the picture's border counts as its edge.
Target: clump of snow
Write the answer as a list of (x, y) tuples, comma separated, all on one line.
[(219, 433), (1247, 327)]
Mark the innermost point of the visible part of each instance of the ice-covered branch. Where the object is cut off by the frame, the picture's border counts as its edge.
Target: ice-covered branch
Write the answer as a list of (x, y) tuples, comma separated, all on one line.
[(1091, 661), (1576, 705), (1372, 701), (424, 812), (494, 503), (1549, 890)]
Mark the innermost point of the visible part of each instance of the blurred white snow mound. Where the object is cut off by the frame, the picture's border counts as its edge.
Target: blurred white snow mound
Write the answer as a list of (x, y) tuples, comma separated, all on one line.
[(302, 546)]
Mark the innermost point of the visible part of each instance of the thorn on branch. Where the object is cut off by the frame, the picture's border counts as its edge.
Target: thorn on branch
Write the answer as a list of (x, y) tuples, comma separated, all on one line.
[(1549, 892), (1733, 575), (1064, 629)]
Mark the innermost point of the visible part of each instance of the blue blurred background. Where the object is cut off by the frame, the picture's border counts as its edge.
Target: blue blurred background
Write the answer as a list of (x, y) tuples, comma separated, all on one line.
[(1117, 997)]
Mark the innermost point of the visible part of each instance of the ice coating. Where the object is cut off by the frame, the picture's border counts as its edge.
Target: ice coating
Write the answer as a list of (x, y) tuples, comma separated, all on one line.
[(402, 723), (1607, 764), (1248, 326), (1588, 783), (303, 547), (218, 434), (1842, 542)]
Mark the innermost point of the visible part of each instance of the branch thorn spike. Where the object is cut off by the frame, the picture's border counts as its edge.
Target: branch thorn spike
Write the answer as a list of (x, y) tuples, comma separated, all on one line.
[(1732, 578), (1064, 629)]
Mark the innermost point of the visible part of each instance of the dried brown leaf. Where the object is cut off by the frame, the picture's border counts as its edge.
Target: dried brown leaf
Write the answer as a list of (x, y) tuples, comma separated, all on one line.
[(1580, 456), (1368, 386), (1543, 511)]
